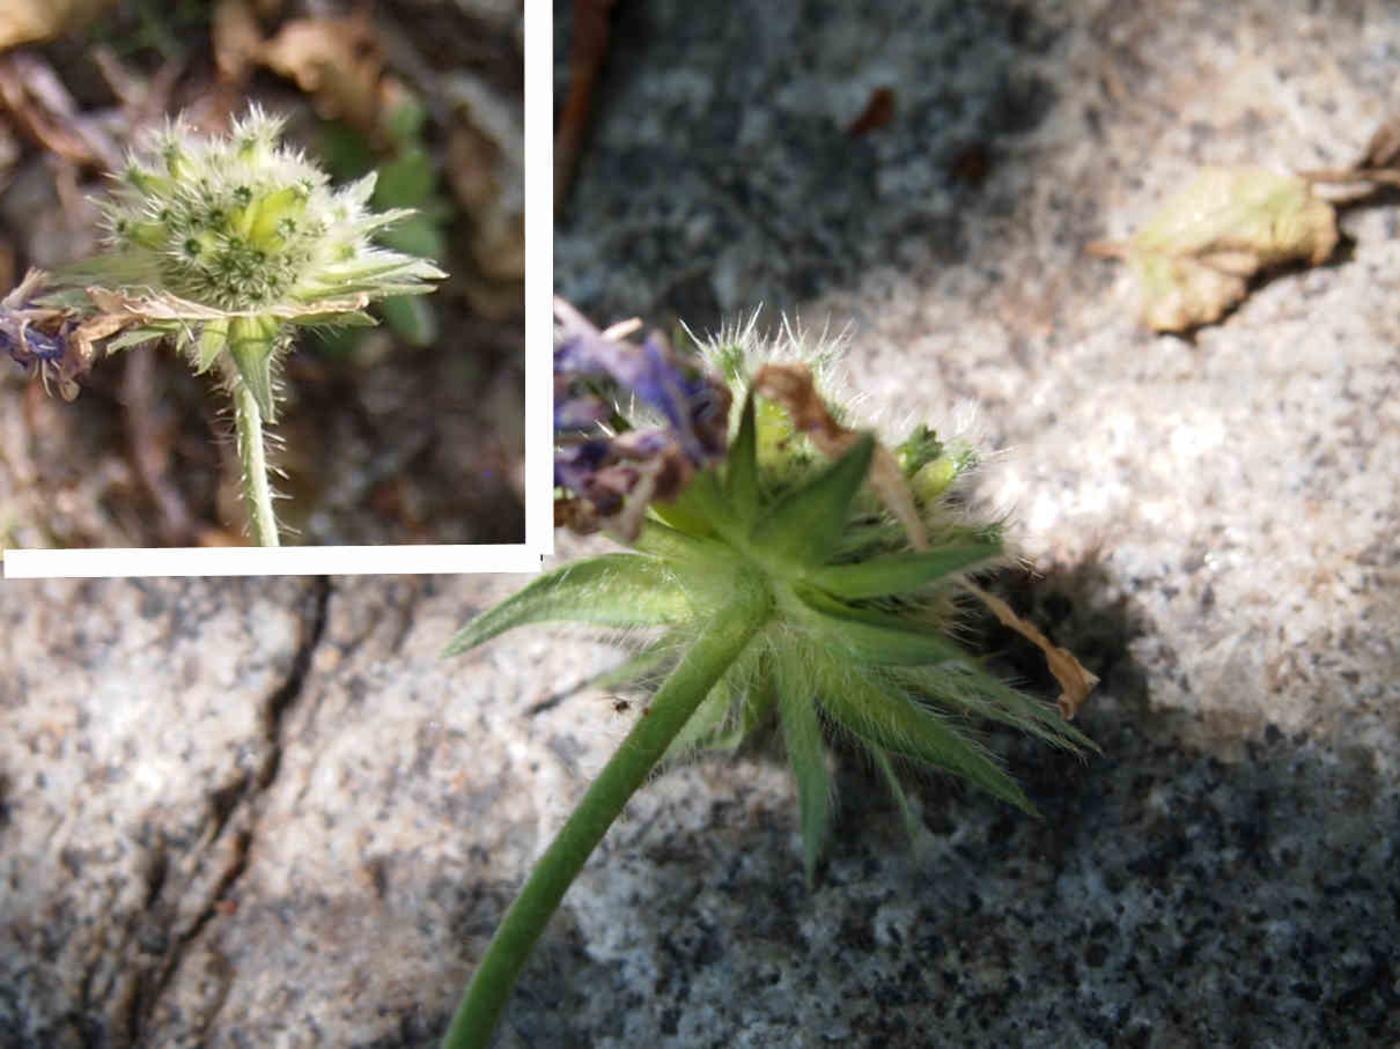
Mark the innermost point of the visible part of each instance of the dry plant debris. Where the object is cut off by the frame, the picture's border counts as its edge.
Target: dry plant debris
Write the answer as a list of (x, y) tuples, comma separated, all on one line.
[(1076, 681), (35, 21), (1195, 259), (338, 62), (35, 98), (587, 54), (792, 386), (1378, 165), (378, 76)]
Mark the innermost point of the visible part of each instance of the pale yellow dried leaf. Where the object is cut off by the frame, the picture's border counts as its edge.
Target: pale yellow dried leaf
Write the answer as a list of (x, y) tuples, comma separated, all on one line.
[(1273, 217), (1183, 293), (1195, 258)]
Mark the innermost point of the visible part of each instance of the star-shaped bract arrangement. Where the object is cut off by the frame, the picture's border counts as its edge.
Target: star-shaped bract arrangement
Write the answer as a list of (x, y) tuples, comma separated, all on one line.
[(797, 568)]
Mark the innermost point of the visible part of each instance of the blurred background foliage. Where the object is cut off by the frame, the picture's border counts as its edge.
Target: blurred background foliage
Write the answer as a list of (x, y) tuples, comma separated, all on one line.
[(409, 432)]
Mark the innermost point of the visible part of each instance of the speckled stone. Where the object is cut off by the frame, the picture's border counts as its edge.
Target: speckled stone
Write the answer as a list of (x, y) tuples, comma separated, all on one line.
[(1215, 521), (1217, 517), (137, 721), (304, 826)]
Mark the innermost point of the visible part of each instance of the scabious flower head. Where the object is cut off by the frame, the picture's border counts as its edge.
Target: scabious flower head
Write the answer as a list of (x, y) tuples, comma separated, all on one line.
[(242, 223), (789, 518), (229, 242)]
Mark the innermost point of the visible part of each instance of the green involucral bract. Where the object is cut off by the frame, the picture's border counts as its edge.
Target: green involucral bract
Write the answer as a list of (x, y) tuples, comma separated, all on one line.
[(227, 245), (777, 584), (852, 645)]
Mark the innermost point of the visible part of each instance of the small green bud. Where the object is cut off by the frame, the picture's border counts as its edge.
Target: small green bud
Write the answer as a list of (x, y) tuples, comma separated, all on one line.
[(921, 447), (775, 434), (932, 479)]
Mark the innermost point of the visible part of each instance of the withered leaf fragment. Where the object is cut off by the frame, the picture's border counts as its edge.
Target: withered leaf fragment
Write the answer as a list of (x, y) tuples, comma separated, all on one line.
[(1383, 150), (1195, 258), (338, 61), (35, 21), (1377, 167)]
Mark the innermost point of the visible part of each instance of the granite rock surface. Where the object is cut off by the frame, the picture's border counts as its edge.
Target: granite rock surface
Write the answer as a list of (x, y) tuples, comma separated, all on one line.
[(267, 814)]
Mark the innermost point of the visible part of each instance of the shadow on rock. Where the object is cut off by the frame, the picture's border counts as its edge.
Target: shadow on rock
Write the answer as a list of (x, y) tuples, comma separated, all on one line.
[(1166, 898)]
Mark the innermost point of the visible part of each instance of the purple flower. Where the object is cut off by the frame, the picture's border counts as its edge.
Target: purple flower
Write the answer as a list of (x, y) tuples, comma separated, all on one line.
[(40, 338), (614, 476), (27, 346), (577, 411)]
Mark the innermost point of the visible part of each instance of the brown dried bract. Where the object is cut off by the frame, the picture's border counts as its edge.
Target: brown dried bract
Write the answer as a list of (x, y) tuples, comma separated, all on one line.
[(577, 515), (168, 308), (1075, 681), (791, 385)]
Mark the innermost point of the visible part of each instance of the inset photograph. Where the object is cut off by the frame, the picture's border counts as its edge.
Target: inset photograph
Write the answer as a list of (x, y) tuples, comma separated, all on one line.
[(261, 274)]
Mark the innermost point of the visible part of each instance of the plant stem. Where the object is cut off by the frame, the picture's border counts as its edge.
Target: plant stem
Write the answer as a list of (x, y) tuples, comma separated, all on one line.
[(257, 492), (716, 648)]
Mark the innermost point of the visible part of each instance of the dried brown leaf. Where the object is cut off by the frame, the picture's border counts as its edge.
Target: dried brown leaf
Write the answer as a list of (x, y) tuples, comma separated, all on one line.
[(1378, 166), (35, 21), (792, 386), (41, 107), (338, 61), (1195, 258), (238, 39), (1075, 681)]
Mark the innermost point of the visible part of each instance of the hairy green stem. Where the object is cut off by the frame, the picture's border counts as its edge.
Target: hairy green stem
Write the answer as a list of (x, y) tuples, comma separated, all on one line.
[(715, 650), (257, 491)]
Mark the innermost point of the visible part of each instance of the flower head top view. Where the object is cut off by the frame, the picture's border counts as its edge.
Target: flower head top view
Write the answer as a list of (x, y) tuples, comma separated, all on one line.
[(226, 245)]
